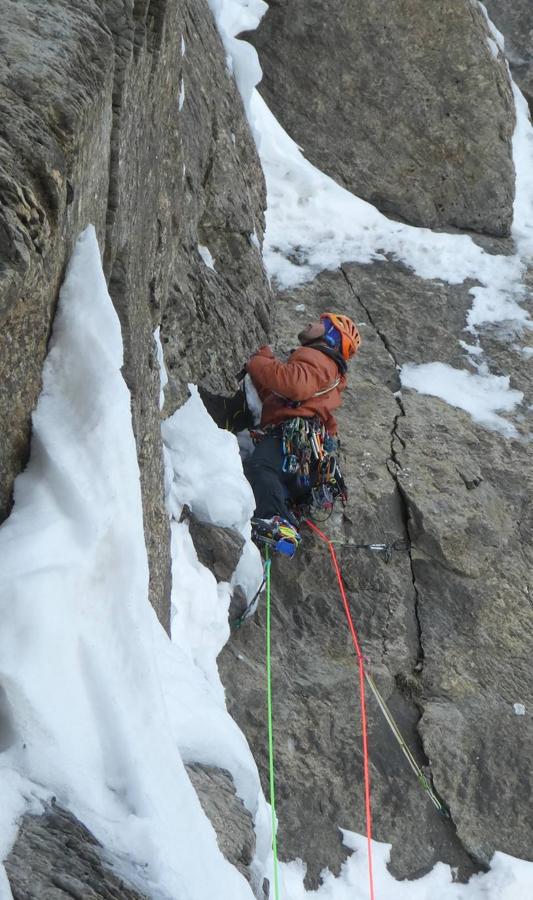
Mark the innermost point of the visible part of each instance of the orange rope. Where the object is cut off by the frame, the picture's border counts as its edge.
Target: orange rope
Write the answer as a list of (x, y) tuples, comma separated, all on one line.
[(366, 761)]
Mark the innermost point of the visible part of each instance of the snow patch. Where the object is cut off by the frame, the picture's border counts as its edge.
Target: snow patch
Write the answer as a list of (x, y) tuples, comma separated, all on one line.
[(313, 224), (496, 34), (253, 400), (493, 47), (208, 471), (254, 240), (472, 349), (206, 256), (163, 375), (523, 160), (232, 18), (508, 879), (482, 396)]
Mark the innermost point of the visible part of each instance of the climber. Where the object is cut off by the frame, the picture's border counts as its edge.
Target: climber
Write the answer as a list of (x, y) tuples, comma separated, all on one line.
[(308, 386)]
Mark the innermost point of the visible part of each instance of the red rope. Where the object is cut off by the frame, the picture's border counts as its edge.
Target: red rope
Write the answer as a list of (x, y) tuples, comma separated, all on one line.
[(366, 762)]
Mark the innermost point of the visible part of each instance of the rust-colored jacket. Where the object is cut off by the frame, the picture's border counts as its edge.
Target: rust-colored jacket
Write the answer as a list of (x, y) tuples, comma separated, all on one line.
[(306, 371)]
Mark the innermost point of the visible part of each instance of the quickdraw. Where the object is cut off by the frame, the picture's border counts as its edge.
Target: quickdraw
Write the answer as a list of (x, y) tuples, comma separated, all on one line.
[(399, 546)]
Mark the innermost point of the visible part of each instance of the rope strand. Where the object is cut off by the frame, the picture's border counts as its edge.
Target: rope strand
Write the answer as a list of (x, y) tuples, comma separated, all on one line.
[(422, 779), (271, 779), (360, 661)]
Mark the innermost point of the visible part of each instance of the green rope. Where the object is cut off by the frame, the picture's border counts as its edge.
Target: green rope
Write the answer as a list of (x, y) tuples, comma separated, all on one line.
[(270, 728), (441, 808)]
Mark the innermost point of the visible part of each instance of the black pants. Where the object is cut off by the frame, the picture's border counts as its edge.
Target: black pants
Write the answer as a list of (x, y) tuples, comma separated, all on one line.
[(272, 486)]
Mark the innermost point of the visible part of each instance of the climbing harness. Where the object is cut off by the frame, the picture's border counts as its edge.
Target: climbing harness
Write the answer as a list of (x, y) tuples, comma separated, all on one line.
[(271, 777), (364, 728)]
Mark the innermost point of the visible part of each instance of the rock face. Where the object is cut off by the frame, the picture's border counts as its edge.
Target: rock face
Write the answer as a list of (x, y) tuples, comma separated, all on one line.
[(126, 131), (230, 819), (515, 21), (123, 114), (446, 627), (56, 82), (217, 547), (403, 103), (56, 858)]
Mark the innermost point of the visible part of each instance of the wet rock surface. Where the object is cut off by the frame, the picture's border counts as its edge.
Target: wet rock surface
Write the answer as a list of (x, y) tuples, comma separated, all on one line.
[(404, 103), (446, 627), (219, 549)]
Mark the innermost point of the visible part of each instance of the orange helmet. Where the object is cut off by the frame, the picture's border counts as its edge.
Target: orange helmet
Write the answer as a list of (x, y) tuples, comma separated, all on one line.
[(350, 337)]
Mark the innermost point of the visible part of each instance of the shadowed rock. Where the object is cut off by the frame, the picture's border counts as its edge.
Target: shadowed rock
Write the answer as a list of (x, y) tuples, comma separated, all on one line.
[(217, 547), (57, 858), (7, 731), (231, 820)]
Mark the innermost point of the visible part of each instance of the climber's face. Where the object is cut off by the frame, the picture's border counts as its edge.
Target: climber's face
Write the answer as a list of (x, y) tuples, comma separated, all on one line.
[(312, 332)]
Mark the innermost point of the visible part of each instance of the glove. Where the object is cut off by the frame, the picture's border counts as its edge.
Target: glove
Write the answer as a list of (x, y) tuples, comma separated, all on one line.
[(265, 350)]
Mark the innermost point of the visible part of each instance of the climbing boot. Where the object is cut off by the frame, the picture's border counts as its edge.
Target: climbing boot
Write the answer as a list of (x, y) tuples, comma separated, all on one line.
[(277, 533)]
